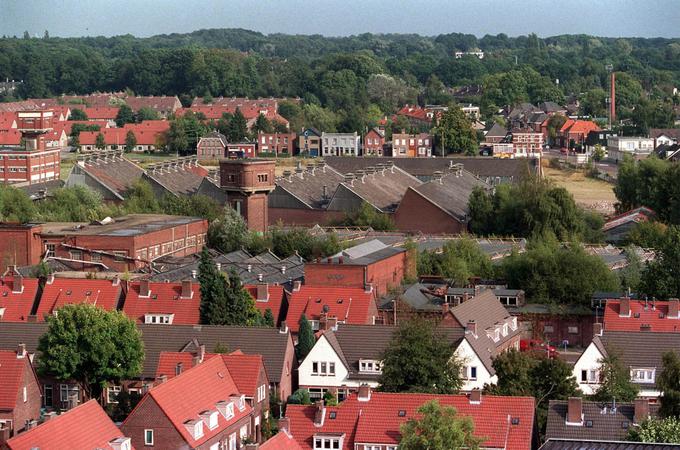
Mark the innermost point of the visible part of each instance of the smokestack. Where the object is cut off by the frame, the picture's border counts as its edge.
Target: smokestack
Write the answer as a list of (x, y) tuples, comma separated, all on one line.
[(612, 105)]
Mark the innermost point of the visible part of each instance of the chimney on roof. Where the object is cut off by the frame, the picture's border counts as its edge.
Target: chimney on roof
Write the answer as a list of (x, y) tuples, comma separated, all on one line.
[(310, 168), (471, 328), (341, 259), (219, 266), (299, 171), (364, 393), (297, 284), (445, 308), (21, 351), (574, 411), (50, 279), (319, 413), (18, 283), (199, 356), (260, 277), (144, 288), (283, 328), (349, 178), (283, 269), (673, 308), (194, 273), (361, 175), (252, 446), (624, 307), (249, 268), (115, 281), (368, 288), (178, 368), (597, 329), (437, 176), (161, 379), (187, 292), (262, 292), (284, 424), (641, 410), (475, 396), (287, 174), (49, 416)]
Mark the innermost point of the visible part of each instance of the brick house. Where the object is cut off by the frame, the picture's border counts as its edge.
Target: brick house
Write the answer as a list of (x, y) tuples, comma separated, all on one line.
[(17, 296), (374, 141), (526, 143), (572, 136), (371, 265), (247, 371), (372, 420), (163, 303), (309, 142), (281, 441), (84, 427), (275, 143), (108, 173), (211, 146), (20, 396), (59, 292), (200, 408), (148, 139), (325, 307), (411, 145)]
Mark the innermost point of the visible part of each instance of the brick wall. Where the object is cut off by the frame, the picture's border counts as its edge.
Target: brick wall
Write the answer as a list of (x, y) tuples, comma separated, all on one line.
[(20, 245), (413, 208), (303, 217), (387, 273), (30, 409)]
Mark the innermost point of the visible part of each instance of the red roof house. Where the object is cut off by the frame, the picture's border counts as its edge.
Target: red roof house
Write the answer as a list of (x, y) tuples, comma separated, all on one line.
[(269, 297), (374, 418), (574, 132), (326, 306), (20, 397), (281, 441), (642, 315), (163, 303), (65, 291), (84, 427), (199, 408), (17, 296)]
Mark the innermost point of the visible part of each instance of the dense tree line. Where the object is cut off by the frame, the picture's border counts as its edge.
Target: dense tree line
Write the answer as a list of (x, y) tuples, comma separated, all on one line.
[(348, 82)]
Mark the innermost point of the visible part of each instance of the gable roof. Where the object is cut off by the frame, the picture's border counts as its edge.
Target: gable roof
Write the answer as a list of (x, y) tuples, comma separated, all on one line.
[(12, 370), (607, 423), (59, 292), (17, 306), (281, 441), (265, 341), (194, 391), (639, 214), (591, 444), (377, 421), (86, 426), (673, 133), (274, 299), (164, 298), (451, 193), (497, 130), (307, 187), (351, 305), (111, 170), (181, 176)]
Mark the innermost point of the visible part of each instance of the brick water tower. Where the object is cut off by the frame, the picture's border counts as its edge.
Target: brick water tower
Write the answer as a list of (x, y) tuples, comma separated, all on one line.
[(248, 182)]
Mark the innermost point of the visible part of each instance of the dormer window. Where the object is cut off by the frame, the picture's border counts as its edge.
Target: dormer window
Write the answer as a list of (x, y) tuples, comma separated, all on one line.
[(2, 312), (163, 319), (370, 366), (323, 442), (210, 418), (642, 375), (195, 428), (226, 408), (513, 324), (505, 329)]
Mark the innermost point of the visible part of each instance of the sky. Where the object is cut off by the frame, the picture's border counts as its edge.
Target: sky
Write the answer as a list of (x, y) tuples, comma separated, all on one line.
[(611, 18)]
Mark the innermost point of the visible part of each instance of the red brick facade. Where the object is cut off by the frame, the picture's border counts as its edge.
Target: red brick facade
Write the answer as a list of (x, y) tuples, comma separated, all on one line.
[(303, 217), (373, 143), (248, 183), (412, 209), (20, 245), (276, 143), (27, 408)]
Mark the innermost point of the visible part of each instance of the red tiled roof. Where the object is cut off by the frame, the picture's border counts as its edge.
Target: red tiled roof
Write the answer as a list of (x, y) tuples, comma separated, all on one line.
[(644, 316), (165, 298), (17, 305), (161, 125), (349, 305), (579, 126), (377, 420), (281, 441), (99, 112), (85, 427), (12, 376), (274, 302), (8, 120), (116, 136), (67, 125), (10, 137), (640, 214), (65, 291), (197, 390), (244, 369)]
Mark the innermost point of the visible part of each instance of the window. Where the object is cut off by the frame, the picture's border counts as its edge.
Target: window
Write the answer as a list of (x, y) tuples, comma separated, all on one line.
[(24, 393), (321, 443), (76, 254), (179, 243), (48, 398), (243, 432), (590, 376), (67, 391), (316, 393), (148, 437), (315, 368), (215, 446), (112, 393), (50, 250), (95, 256), (232, 441), (261, 393), (370, 366), (572, 330), (262, 177), (642, 375), (167, 248), (119, 255)]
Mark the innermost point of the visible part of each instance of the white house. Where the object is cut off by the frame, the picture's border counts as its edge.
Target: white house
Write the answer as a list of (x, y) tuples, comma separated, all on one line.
[(340, 144), (619, 146), (640, 351)]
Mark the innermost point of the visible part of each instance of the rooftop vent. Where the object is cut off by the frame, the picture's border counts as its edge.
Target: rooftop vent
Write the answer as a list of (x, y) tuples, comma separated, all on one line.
[(332, 415), (515, 421), (589, 424), (402, 413)]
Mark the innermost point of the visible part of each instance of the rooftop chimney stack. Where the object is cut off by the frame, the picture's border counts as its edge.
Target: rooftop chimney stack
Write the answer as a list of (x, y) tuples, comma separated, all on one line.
[(471, 328), (574, 411), (21, 351), (187, 292), (597, 329), (284, 424), (364, 393), (144, 288), (18, 283), (475, 396), (624, 307), (319, 413), (673, 308), (641, 410)]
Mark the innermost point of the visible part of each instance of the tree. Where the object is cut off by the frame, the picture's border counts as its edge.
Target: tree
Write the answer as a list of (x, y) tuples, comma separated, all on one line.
[(77, 114), (368, 216), (459, 260), (420, 358), (615, 381), (455, 134), (305, 338), (238, 127), (125, 115), (665, 430), (177, 140), (631, 274), (15, 205), (300, 397), (229, 232), (262, 125), (130, 141), (46, 35), (213, 308), (99, 142), (140, 198), (661, 277), (92, 346), (598, 153), (669, 383), (240, 305), (438, 428), (268, 319), (147, 113)]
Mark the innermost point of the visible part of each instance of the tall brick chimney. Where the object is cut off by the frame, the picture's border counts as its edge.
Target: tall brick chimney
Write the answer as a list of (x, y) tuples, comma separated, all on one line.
[(319, 413), (471, 328), (673, 308), (597, 329), (624, 307), (574, 411), (144, 288), (475, 396), (187, 292), (364, 393), (612, 106)]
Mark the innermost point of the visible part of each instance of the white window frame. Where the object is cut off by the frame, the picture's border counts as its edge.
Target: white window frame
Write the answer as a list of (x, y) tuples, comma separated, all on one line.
[(148, 432)]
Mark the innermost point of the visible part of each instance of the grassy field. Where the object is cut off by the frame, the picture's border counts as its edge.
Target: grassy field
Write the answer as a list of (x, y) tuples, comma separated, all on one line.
[(588, 192)]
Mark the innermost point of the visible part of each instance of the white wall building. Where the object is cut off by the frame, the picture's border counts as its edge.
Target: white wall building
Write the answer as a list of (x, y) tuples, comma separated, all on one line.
[(637, 147), (340, 144)]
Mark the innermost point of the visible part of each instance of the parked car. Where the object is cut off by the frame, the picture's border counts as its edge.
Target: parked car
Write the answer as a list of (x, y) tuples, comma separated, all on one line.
[(534, 345)]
